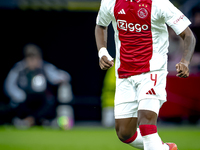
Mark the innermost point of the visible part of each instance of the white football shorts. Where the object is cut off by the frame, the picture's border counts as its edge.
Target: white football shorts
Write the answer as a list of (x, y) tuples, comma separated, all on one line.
[(140, 92)]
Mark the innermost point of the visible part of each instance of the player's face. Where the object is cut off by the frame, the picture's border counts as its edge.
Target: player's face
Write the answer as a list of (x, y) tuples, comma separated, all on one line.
[(33, 62)]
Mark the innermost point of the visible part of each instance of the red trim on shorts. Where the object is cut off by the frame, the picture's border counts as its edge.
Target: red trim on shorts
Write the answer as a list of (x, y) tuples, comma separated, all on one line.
[(147, 129), (130, 140)]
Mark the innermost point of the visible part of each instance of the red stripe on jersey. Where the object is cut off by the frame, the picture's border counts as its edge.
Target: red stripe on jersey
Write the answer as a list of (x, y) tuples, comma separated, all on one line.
[(134, 27)]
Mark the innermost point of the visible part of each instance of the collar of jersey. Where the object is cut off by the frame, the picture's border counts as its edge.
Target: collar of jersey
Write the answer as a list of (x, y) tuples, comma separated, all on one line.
[(134, 0)]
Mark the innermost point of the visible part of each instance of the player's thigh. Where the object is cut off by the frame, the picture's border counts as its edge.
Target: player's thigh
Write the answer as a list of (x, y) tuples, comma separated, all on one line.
[(148, 110), (126, 119), (126, 107), (126, 116)]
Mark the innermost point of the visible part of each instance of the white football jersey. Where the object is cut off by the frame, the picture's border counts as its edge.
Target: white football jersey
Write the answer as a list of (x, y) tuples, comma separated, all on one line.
[(141, 34)]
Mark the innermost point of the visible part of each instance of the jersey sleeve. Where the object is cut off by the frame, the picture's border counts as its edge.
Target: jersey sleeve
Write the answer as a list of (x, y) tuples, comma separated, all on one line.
[(103, 17), (174, 17)]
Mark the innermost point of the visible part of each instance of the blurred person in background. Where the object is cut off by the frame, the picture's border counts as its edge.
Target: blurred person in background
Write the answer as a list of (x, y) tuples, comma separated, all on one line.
[(28, 85)]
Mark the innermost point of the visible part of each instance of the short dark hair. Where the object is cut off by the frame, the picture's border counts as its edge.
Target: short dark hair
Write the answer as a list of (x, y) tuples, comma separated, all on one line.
[(32, 50)]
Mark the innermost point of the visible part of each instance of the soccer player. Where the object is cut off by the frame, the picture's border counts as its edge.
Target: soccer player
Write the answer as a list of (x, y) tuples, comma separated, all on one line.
[(141, 40)]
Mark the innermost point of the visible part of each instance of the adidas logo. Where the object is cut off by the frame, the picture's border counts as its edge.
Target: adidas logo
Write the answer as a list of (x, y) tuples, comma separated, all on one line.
[(122, 12), (151, 92)]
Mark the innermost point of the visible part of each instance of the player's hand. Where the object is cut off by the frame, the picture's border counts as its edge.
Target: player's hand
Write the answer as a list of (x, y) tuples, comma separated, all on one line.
[(182, 70), (105, 64)]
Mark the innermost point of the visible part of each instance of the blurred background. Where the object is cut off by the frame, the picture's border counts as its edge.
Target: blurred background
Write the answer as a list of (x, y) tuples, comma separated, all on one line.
[(62, 32)]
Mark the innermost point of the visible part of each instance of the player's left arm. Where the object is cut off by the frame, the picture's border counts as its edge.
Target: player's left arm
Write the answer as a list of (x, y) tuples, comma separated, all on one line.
[(182, 67), (180, 24)]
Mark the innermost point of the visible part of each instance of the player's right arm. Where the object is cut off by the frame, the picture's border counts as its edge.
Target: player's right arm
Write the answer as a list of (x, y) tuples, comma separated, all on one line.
[(106, 61), (102, 22)]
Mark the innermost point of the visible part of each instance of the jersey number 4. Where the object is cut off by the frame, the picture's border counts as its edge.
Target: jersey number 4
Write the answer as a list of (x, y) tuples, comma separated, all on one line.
[(154, 78)]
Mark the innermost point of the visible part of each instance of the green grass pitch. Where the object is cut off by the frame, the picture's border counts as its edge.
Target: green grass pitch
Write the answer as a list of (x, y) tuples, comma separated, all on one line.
[(88, 138)]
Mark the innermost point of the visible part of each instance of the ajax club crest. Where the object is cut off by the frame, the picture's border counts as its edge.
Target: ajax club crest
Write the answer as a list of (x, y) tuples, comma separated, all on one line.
[(142, 13)]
